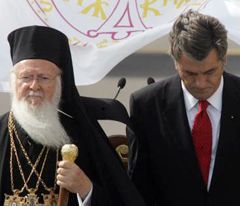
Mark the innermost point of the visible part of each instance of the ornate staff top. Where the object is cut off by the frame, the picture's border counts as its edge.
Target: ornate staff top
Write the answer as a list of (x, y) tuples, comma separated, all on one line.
[(69, 152)]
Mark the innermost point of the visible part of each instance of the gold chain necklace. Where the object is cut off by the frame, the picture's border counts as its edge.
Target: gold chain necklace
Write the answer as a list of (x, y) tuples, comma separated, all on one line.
[(49, 199), (13, 148), (27, 156)]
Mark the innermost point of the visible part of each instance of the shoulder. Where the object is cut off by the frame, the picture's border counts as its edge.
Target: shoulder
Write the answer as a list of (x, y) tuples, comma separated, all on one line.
[(3, 118), (231, 82), (231, 87), (3, 123), (158, 89), (231, 78)]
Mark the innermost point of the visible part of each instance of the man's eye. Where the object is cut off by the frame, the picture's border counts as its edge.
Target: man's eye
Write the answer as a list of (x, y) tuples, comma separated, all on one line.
[(25, 77), (45, 78), (190, 74), (210, 72)]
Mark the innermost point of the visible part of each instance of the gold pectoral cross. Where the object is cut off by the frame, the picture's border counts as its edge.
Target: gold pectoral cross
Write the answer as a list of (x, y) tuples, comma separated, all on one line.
[(32, 199), (50, 199), (14, 200)]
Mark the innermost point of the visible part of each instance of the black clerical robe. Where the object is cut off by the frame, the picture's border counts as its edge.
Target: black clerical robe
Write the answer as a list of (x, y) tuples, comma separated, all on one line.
[(111, 186)]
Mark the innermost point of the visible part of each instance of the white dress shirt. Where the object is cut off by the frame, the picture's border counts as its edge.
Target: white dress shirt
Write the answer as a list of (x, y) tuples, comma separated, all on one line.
[(87, 200), (214, 112)]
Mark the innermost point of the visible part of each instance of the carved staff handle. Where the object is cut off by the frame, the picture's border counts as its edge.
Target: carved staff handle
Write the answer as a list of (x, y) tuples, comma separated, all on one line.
[(69, 152)]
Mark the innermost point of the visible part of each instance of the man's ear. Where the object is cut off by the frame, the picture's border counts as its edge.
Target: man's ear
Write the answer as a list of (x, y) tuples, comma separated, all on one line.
[(225, 60), (176, 65)]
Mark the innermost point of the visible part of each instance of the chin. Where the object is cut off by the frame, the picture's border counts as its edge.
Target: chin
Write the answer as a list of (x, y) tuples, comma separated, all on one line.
[(202, 97), (34, 102)]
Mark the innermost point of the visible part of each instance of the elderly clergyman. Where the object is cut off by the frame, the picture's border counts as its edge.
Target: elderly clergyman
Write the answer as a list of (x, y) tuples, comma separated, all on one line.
[(46, 113)]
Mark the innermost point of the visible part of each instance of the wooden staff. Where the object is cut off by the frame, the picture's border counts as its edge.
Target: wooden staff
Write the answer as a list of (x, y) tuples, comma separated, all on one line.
[(69, 152)]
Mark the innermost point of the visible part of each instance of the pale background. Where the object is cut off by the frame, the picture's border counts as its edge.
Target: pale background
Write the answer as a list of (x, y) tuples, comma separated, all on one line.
[(151, 61)]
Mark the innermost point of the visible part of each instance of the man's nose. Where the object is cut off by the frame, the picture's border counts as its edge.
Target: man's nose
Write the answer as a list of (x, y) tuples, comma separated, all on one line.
[(200, 81), (34, 85)]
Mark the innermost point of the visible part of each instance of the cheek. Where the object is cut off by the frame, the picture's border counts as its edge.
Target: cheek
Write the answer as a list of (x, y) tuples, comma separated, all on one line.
[(49, 92), (186, 78), (21, 91), (189, 81), (215, 81)]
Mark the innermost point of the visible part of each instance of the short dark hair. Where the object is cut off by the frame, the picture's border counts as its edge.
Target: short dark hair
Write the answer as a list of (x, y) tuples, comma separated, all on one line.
[(196, 35)]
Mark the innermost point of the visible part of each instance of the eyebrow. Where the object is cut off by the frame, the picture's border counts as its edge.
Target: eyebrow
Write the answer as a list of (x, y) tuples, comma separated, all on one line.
[(31, 74), (206, 72), (210, 70)]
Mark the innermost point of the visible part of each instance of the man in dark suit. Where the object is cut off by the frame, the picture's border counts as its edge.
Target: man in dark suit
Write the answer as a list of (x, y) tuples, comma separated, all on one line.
[(187, 145)]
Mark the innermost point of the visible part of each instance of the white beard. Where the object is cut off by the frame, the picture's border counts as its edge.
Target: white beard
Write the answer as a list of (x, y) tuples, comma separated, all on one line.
[(41, 122)]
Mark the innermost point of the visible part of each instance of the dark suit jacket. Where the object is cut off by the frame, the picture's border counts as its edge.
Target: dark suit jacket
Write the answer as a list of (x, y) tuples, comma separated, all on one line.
[(166, 171)]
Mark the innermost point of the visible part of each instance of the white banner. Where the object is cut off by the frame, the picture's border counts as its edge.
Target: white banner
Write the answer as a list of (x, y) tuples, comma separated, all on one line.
[(103, 32)]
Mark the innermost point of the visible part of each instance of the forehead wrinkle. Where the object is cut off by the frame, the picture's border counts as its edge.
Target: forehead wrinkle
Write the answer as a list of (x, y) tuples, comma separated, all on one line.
[(38, 69)]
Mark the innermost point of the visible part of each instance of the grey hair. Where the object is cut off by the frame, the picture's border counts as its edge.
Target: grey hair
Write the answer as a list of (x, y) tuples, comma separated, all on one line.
[(195, 35)]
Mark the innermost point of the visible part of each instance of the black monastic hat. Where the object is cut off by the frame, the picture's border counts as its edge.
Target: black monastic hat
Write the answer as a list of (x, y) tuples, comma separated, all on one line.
[(38, 42)]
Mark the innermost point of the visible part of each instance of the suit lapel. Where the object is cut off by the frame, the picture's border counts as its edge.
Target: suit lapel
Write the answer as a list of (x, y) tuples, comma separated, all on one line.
[(176, 119), (229, 140)]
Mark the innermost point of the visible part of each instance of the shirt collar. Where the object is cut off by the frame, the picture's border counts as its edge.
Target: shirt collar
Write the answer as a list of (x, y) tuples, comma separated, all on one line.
[(215, 100)]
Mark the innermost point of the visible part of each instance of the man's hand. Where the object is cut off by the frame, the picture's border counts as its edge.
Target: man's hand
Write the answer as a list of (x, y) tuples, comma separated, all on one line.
[(72, 178)]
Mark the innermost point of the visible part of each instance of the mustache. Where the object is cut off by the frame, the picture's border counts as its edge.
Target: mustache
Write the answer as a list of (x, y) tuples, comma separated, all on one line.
[(35, 94)]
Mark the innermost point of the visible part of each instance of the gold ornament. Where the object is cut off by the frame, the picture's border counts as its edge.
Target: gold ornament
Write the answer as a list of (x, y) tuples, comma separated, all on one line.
[(69, 152), (31, 199), (13, 200)]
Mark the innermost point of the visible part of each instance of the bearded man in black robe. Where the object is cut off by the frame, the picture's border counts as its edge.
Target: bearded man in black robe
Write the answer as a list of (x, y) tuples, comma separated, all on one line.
[(46, 113)]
